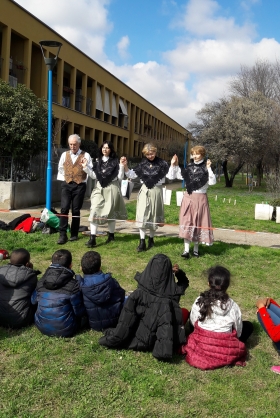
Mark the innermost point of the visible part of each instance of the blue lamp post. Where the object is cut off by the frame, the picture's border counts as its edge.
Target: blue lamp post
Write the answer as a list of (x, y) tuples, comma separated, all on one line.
[(50, 63)]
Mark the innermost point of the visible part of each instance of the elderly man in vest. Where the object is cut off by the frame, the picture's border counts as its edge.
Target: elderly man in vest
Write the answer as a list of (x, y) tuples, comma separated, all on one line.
[(73, 187)]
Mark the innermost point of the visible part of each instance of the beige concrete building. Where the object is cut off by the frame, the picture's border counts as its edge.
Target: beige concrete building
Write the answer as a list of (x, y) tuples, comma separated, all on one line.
[(87, 99)]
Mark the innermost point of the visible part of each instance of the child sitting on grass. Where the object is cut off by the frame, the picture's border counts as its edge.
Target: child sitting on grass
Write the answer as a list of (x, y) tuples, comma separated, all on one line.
[(219, 332), (60, 301), (151, 319), (269, 318), (17, 283), (102, 294)]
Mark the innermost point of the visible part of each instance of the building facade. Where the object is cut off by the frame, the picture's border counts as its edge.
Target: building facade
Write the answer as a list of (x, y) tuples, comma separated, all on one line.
[(87, 99)]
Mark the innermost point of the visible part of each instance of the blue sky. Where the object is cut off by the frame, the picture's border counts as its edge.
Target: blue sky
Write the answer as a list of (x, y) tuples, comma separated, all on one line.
[(180, 54)]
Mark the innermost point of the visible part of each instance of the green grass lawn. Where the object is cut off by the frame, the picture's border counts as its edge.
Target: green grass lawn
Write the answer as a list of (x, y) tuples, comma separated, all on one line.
[(51, 377)]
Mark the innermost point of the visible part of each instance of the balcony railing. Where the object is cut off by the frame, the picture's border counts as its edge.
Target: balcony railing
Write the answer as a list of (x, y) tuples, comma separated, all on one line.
[(55, 92), (79, 102), (66, 101), (17, 70)]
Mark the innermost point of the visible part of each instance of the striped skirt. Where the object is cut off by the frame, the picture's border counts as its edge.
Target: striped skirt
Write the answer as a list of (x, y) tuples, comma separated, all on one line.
[(195, 221), (107, 203), (150, 209)]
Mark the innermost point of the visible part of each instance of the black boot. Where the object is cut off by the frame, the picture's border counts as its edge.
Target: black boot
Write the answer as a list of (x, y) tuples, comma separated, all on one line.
[(142, 246), (111, 237), (92, 241), (62, 238), (151, 243)]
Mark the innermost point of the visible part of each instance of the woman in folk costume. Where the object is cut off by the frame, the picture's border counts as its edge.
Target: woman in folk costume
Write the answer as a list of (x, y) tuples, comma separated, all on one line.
[(194, 220), (107, 203), (150, 210)]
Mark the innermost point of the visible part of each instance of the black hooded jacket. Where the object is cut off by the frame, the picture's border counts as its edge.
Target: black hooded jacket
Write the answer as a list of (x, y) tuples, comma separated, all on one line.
[(151, 319), (16, 286)]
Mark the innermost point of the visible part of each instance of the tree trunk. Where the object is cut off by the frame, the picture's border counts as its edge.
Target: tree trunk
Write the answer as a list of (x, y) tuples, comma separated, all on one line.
[(229, 181), (224, 165), (259, 172)]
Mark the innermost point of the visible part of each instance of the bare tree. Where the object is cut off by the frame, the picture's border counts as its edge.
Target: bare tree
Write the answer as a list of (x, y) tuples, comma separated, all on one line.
[(262, 77)]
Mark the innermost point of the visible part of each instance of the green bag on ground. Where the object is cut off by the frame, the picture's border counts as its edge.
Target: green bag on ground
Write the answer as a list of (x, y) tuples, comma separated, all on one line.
[(50, 219)]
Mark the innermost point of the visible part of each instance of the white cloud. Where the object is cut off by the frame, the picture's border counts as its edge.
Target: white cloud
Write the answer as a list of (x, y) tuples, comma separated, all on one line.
[(201, 19), (122, 46), (84, 23)]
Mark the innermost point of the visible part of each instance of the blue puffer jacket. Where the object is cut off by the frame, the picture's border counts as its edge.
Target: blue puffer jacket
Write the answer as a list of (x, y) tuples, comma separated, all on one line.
[(60, 302), (103, 299)]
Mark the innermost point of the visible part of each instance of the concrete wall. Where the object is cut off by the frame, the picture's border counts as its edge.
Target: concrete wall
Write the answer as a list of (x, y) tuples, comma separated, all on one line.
[(26, 194)]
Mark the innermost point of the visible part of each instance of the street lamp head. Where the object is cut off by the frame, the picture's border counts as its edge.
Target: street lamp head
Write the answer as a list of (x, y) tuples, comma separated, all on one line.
[(50, 62)]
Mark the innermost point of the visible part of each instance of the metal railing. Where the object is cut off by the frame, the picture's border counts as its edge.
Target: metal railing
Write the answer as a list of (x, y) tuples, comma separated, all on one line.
[(11, 170)]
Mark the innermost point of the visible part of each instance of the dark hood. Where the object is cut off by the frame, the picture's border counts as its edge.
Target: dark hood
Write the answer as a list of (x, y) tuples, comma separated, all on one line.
[(13, 276), (158, 278), (57, 277)]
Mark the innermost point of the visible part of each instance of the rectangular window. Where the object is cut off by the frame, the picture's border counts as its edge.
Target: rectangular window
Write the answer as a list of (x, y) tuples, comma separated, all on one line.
[(107, 102), (123, 107), (99, 104), (114, 107)]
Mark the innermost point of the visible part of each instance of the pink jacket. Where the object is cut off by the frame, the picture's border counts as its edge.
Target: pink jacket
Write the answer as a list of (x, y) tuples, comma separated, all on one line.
[(208, 350)]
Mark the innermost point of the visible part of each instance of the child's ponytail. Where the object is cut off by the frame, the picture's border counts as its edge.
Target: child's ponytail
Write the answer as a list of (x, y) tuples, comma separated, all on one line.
[(218, 280)]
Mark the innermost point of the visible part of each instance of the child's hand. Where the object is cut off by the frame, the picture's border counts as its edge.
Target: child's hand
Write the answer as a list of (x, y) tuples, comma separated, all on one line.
[(263, 303), (175, 268)]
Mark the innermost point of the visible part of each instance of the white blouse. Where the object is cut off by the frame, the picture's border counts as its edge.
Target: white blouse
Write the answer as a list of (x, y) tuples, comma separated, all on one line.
[(221, 320)]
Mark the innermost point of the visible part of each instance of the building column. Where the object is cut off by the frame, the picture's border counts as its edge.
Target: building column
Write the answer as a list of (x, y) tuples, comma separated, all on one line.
[(59, 79), (82, 131), (142, 122), (84, 92), (44, 76), (27, 53), (129, 146), (57, 132), (91, 134), (93, 96), (70, 127), (6, 48), (120, 146), (73, 87)]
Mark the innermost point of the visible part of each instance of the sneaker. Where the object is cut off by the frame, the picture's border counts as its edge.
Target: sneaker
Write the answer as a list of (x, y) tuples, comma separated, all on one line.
[(185, 254), (275, 369)]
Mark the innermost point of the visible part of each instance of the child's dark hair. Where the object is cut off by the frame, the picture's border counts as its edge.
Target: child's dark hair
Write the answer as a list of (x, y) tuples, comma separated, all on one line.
[(219, 280), (63, 258), (91, 262), (20, 257)]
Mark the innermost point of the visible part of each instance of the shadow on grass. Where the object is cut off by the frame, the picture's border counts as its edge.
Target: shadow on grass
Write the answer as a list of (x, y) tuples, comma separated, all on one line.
[(11, 333)]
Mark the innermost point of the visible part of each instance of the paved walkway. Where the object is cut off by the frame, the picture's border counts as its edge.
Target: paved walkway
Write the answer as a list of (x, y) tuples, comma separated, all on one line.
[(261, 239)]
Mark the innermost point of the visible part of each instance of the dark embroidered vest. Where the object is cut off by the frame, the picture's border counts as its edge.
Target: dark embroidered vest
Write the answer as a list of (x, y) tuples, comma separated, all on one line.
[(74, 172), (151, 172), (106, 171), (195, 175)]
